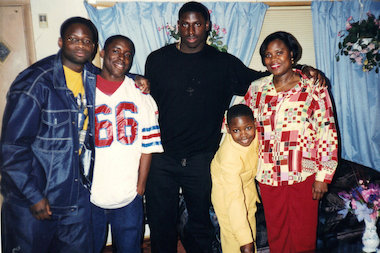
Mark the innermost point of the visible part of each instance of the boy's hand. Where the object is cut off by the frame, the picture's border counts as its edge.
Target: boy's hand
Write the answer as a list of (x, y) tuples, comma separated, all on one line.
[(142, 83), (315, 74), (248, 248), (319, 188), (140, 190), (41, 210)]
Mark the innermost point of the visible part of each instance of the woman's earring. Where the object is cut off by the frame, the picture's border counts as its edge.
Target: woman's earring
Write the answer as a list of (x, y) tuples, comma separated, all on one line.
[(292, 61)]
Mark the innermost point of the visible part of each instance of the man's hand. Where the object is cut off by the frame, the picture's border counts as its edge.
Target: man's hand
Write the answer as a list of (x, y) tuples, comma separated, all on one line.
[(319, 188), (41, 210), (314, 74), (142, 83), (248, 248)]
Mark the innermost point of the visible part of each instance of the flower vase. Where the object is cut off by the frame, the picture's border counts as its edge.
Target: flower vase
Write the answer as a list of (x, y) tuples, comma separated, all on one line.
[(370, 238)]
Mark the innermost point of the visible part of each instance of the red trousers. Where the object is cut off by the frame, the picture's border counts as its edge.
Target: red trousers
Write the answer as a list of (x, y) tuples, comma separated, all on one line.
[(291, 217)]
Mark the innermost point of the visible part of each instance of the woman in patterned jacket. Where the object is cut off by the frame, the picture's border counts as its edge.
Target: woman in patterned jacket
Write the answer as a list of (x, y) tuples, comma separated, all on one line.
[(298, 145)]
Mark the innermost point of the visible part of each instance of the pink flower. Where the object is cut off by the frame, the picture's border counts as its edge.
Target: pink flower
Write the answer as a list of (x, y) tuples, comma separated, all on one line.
[(373, 215), (353, 204), (159, 29), (358, 60), (349, 19), (353, 54), (224, 31), (364, 200), (167, 33), (366, 194), (364, 51), (348, 26)]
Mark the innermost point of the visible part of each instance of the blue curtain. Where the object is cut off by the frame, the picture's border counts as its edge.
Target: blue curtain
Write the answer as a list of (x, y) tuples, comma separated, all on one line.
[(142, 22), (356, 93)]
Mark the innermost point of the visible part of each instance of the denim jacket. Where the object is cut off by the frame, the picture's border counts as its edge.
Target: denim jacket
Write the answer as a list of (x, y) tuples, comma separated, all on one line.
[(39, 142)]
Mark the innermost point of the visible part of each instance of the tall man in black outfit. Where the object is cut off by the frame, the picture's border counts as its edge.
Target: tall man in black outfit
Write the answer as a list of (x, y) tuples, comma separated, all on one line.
[(193, 84)]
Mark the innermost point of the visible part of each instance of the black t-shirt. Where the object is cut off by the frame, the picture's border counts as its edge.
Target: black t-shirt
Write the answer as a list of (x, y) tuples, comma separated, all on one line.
[(192, 92)]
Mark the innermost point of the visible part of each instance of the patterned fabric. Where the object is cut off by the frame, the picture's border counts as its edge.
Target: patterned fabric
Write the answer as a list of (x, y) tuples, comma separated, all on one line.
[(297, 132)]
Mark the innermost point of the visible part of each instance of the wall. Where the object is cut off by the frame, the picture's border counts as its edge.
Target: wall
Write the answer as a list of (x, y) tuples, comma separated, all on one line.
[(295, 20), (57, 11), (46, 39)]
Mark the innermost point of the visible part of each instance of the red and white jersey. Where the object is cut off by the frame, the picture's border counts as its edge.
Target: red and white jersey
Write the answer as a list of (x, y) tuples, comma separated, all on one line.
[(126, 125)]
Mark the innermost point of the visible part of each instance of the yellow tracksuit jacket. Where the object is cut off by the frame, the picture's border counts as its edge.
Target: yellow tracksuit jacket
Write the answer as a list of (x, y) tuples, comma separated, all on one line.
[(234, 194)]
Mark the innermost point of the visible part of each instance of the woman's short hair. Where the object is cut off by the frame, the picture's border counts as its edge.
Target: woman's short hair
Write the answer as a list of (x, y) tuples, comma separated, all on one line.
[(289, 40)]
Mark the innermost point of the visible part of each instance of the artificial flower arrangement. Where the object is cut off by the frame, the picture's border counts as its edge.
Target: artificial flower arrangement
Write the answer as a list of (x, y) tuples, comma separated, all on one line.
[(214, 39), (361, 42), (363, 201)]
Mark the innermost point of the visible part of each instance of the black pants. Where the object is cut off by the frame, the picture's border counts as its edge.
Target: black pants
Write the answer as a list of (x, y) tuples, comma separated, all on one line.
[(165, 178)]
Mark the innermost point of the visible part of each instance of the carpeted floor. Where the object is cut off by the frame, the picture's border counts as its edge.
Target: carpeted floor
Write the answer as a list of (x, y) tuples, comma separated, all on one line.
[(146, 247)]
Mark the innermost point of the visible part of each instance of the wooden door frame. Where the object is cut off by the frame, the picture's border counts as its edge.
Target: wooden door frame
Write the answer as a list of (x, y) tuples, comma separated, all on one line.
[(28, 25)]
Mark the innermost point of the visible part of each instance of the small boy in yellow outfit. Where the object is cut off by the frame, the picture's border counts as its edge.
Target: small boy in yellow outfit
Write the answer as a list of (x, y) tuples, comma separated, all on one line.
[(233, 172)]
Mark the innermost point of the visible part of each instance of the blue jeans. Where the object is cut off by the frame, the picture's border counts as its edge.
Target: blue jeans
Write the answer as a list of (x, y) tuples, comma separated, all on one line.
[(63, 233), (126, 226)]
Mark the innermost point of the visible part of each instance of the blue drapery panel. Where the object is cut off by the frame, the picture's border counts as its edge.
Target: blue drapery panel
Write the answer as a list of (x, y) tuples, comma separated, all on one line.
[(140, 21), (356, 93)]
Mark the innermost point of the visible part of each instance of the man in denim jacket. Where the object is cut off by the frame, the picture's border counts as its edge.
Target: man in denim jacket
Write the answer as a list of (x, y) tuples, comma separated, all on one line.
[(47, 148)]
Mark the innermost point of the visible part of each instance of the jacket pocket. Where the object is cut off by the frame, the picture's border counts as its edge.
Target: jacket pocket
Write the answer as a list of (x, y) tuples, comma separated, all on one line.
[(55, 131)]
